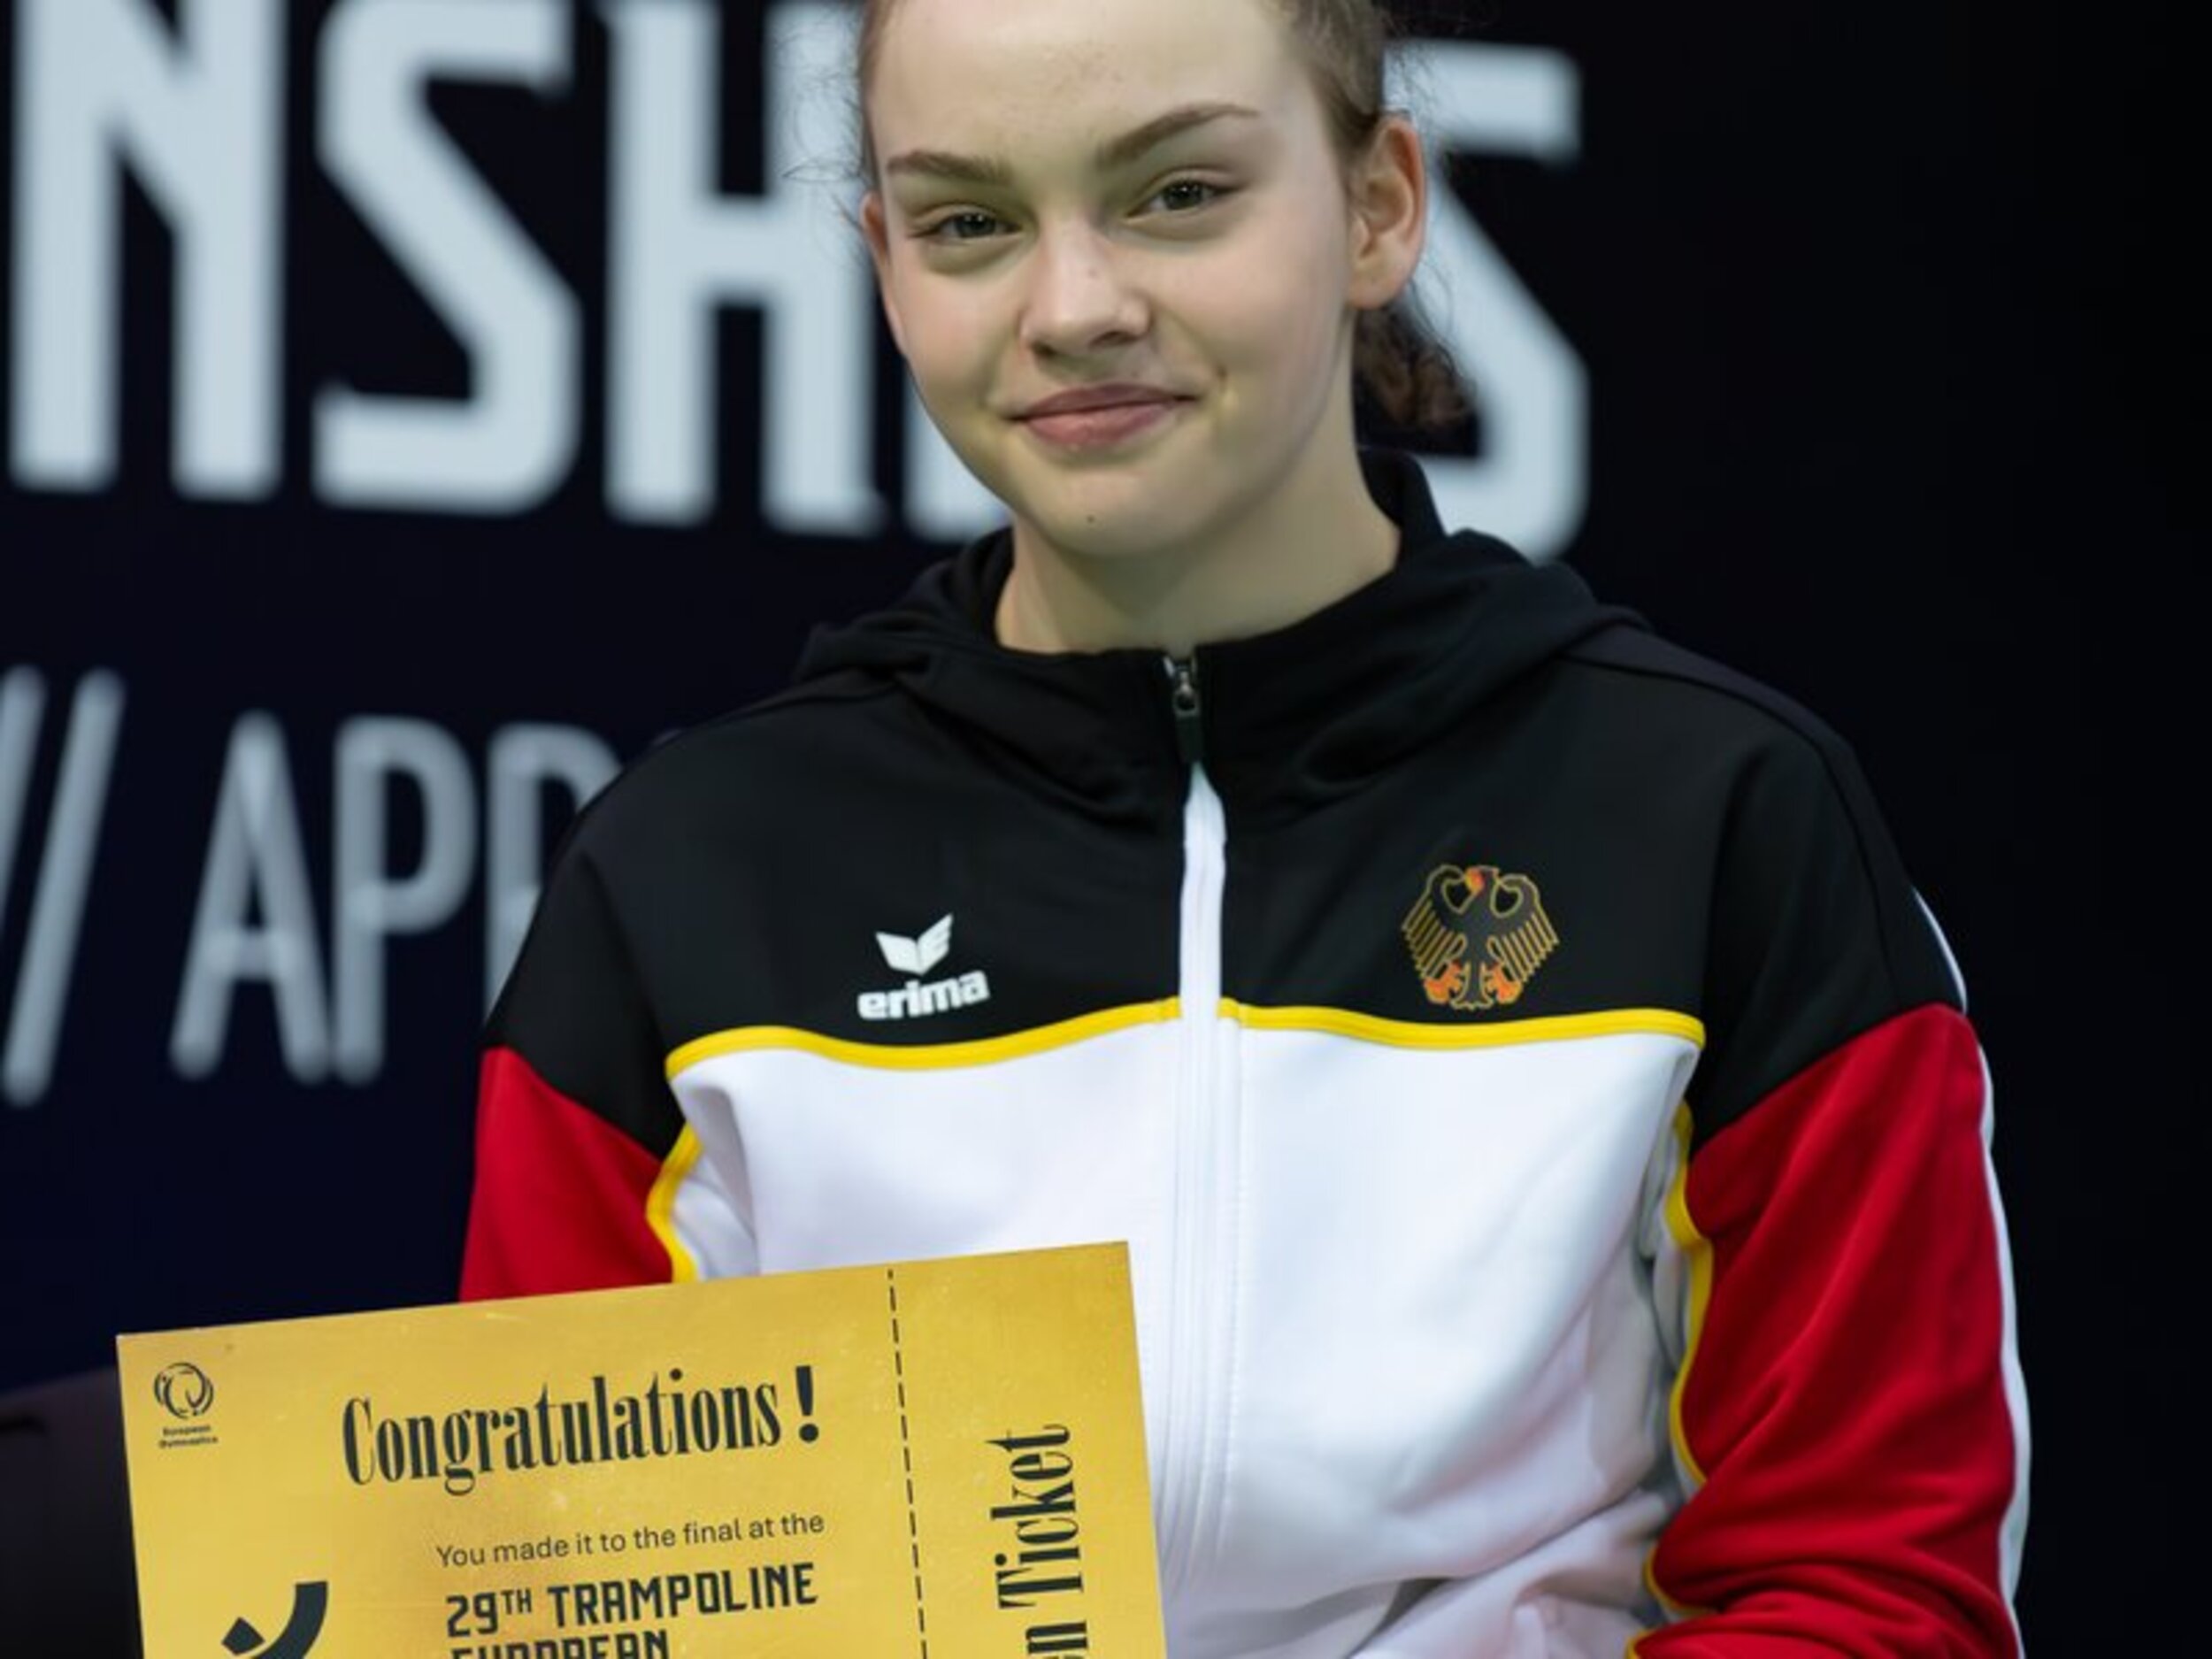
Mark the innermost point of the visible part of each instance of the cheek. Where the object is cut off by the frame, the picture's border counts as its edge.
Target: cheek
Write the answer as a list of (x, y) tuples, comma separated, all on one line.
[(1276, 331), (951, 329), (1281, 307)]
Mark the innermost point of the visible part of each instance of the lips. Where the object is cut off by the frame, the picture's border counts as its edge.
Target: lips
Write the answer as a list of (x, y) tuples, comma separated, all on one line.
[(1084, 399), (1099, 416)]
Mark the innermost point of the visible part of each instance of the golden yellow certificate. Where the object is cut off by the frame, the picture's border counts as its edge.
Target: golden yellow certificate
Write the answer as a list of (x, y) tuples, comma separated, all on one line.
[(942, 1459)]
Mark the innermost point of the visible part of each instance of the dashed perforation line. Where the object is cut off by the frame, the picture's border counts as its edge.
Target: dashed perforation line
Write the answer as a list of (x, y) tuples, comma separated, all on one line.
[(906, 1455)]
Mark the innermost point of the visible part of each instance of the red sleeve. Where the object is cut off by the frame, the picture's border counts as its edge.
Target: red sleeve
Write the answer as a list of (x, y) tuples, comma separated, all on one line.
[(1848, 1414), (563, 1196)]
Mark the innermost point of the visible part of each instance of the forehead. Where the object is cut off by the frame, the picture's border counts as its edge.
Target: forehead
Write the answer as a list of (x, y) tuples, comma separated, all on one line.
[(1015, 76)]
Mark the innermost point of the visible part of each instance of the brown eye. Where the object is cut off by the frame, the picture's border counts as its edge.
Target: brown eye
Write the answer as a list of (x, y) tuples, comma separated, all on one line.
[(1183, 195), (970, 225)]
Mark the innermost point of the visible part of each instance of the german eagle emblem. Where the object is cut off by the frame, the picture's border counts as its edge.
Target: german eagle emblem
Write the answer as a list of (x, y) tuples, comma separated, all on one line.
[(1477, 937)]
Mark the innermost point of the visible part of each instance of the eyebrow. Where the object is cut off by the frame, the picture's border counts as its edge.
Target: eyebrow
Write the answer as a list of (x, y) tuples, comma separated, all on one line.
[(1115, 152)]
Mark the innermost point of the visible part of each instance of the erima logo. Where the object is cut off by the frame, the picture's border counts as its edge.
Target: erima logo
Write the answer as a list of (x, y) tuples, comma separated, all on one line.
[(915, 999)]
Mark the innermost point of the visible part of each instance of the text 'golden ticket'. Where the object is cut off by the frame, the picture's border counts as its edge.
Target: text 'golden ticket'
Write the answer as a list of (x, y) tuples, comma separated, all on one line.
[(943, 1459)]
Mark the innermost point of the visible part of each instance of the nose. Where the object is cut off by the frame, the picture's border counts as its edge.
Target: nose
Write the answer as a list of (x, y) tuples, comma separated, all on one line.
[(1083, 297)]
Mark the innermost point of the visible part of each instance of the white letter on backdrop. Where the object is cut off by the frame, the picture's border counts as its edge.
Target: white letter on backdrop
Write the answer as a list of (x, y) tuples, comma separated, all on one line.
[(1532, 486), (254, 862), (196, 116), (682, 250), (509, 444), (372, 905), (65, 873)]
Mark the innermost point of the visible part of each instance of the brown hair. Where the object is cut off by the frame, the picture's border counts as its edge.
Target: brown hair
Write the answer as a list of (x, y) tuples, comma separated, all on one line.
[(1403, 368)]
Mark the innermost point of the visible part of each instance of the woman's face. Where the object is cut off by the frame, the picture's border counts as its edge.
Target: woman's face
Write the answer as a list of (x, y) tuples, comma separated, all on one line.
[(1121, 255)]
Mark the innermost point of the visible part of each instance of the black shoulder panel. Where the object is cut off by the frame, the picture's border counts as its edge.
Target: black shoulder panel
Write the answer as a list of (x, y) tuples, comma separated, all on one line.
[(1816, 934), (574, 1006), (1626, 827), (852, 867)]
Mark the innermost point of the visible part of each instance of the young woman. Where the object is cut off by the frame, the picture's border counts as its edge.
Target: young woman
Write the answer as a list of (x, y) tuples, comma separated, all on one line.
[(1541, 1114)]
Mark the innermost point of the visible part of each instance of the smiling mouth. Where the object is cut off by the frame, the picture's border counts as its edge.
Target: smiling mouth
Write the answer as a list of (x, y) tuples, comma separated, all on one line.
[(1098, 418)]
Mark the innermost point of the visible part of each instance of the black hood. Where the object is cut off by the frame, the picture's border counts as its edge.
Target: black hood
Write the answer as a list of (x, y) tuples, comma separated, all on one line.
[(1289, 718)]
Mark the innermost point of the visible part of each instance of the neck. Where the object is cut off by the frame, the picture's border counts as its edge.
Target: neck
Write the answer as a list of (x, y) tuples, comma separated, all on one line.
[(1287, 556)]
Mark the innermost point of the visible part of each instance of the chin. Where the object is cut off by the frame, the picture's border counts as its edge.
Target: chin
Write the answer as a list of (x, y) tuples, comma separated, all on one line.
[(1109, 524), (1101, 540), (1095, 512)]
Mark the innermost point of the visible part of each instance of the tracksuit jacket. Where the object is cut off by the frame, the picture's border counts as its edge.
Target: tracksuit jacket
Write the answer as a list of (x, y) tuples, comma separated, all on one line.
[(1551, 1148)]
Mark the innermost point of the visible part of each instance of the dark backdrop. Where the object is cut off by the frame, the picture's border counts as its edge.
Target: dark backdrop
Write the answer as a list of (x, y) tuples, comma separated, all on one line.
[(1891, 329)]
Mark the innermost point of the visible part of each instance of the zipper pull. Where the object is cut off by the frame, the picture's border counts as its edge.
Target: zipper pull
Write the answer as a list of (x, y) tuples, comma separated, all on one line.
[(1190, 735)]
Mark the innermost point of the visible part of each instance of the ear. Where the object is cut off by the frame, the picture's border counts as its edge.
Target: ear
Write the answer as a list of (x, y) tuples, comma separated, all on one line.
[(876, 228), (1390, 213)]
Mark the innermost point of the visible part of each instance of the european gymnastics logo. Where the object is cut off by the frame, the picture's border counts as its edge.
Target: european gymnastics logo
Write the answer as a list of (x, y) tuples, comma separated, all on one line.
[(184, 1390)]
